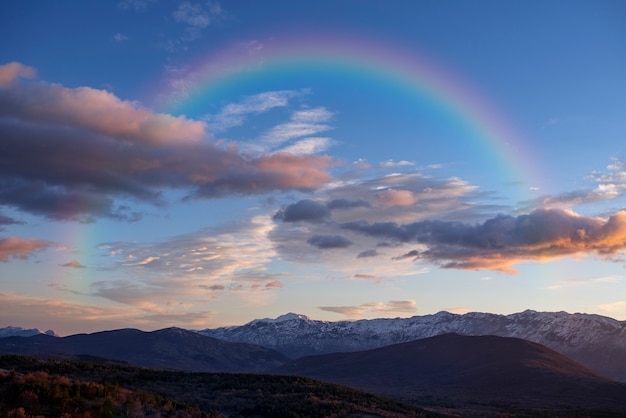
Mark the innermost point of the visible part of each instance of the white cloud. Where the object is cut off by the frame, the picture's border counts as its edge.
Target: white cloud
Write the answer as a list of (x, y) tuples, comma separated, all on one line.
[(309, 146), (235, 114), (303, 123)]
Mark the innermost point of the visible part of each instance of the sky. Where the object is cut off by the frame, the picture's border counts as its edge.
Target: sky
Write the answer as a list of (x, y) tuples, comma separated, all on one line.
[(202, 163)]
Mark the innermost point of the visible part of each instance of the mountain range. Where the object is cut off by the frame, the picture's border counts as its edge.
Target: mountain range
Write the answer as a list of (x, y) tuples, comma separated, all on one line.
[(597, 342), (473, 375)]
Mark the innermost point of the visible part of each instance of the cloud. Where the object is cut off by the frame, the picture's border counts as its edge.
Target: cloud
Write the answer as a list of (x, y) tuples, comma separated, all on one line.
[(74, 264), (609, 185), (327, 242), (568, 283), (7, 220), (195, 17), (348, 204), (274, 284), (501, 242), (235, 114), (393, 164), (303, 123), (227, 257), (613, 309), (136, 5), (21, 248), (391, 197), (393, 307), (368, 253), (126, 152), (97, 111), (309, 146), (119, 37), (304, 211), (13, 71), (192, 14)]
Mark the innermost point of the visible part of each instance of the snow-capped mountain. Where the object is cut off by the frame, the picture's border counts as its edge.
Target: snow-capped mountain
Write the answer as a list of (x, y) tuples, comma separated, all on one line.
[(22, 332), (595, 341)]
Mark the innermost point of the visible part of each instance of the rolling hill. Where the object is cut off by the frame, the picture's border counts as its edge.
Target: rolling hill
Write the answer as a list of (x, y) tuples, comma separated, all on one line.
[(468, 369)]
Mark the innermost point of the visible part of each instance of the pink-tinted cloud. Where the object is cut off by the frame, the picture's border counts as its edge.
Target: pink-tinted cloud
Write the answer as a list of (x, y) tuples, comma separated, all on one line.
[(21, 248), (274, 284), (14, 70), (75, 153), (98, 111), (391, 197)]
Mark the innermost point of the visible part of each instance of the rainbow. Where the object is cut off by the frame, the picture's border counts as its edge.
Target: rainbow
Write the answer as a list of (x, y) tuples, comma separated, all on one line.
[(243, 63)]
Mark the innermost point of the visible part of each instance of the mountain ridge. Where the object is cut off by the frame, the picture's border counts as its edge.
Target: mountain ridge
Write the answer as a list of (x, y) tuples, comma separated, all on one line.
[(595, 341), (169, 348)]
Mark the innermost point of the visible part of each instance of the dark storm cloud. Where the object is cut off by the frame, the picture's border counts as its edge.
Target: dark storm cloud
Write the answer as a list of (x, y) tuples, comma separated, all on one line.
[(326, 242), (304, 211), (501, 242), (75, 153)]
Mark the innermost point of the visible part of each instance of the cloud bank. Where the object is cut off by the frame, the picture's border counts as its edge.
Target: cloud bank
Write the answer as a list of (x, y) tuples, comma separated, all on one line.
[(503, 241), (78, 153)]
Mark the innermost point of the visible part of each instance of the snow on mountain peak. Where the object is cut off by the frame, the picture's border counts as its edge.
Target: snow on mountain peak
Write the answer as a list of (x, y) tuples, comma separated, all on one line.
[(290, 317)]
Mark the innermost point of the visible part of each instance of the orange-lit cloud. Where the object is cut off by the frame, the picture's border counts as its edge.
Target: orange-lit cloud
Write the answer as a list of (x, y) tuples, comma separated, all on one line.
[(501, 242), (21, 248), (74, 264)]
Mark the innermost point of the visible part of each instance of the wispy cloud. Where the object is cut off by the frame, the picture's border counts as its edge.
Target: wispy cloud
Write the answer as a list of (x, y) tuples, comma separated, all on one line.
[(613, 309), (235, 114), (120, 37), (568, 283), (393, 307), (195, 18), (227, 258), (303, 123), (606, 185)]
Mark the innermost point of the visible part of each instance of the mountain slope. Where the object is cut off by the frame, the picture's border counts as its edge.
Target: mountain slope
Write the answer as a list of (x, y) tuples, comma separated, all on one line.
[(171, 348), (476, 368), (595, 341)]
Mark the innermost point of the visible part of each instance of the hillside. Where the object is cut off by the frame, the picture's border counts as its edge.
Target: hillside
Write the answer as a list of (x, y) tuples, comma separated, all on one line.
[(469, 369), (171, 348), (39, 386)]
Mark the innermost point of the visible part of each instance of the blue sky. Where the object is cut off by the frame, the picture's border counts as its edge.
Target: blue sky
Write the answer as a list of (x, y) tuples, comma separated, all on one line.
[(199, 164)]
